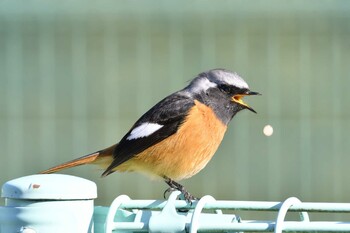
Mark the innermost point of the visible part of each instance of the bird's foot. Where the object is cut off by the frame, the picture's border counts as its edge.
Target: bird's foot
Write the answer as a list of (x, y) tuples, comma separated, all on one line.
[(176, 186)]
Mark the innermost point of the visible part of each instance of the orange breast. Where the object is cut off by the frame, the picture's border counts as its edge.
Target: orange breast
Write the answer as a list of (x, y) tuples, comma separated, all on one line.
[(186, 152)]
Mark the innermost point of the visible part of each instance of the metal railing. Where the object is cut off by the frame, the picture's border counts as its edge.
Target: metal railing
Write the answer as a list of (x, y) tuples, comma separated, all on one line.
[(126, 215), (61, 203)]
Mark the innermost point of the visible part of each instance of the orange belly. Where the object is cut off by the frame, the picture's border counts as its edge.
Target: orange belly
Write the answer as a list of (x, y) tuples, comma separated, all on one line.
[(186, 152)]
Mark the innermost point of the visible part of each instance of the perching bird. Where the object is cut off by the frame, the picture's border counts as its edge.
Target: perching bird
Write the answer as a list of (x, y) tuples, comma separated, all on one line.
[(177, 137)]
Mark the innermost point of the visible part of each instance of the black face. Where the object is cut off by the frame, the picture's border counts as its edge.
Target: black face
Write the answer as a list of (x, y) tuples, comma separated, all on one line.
[(226, 101), (231, 90), (236, 94), (220, 101)]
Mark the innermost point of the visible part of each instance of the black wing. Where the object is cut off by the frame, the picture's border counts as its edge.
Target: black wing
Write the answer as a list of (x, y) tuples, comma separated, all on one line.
[(169, 112)]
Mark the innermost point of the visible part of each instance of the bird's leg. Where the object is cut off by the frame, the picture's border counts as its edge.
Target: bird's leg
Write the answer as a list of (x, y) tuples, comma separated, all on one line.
[(176, 186)]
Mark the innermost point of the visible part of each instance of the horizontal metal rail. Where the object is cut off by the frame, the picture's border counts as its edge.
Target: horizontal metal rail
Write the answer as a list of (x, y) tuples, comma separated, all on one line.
[(174, 215), (248, 226), (241, 205), (269, 226)]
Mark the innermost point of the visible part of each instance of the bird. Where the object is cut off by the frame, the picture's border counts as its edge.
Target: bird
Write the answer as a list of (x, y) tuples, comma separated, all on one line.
[(177, 137)]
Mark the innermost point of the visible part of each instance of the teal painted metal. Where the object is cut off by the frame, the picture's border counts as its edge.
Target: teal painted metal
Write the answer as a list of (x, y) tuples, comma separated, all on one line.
[(60, 203), (283, 212), (245, 205), (126, 215), (269, 226), (48, 203), (166, 220), (169, 219)]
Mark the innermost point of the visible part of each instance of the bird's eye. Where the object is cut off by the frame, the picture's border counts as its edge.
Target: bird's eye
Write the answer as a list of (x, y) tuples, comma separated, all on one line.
[(225, 89)]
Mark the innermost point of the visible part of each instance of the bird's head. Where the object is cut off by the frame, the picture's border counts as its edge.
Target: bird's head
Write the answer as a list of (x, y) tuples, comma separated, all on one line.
[(222, 90)]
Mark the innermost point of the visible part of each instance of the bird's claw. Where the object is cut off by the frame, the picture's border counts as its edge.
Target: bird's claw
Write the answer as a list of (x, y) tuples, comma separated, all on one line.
[(188, 197), (168, 190)]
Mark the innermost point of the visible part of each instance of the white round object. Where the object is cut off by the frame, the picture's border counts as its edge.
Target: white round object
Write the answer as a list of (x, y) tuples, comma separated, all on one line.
[(268, 130)]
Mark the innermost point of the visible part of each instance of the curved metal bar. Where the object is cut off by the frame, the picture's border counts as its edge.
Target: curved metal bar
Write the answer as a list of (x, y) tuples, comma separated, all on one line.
[(113, 210), (283, 211), (197, 211)]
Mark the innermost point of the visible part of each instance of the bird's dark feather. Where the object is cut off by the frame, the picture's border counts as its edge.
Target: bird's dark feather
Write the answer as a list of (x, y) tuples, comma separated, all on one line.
[(169, 112)]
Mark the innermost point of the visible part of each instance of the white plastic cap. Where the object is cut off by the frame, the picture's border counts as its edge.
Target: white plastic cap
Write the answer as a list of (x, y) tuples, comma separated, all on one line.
[(50, 187)]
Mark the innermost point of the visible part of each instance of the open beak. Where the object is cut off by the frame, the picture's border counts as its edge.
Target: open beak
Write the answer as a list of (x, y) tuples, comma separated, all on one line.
[(239, 99)]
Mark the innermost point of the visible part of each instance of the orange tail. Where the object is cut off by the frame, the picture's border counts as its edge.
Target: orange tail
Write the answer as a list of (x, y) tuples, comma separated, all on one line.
[(103, 157), (73, 163)]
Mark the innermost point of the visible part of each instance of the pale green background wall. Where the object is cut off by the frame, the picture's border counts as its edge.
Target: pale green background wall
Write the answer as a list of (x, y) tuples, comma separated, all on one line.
[(75, 75)]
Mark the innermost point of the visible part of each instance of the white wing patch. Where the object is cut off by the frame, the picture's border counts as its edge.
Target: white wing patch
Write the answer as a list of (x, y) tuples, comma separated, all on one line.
[(144, 130)]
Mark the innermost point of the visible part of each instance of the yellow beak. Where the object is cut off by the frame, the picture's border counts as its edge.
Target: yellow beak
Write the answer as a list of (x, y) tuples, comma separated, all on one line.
[(239, 99)]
